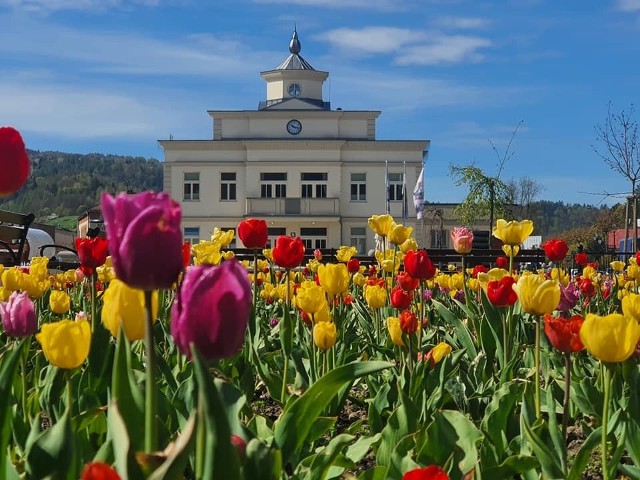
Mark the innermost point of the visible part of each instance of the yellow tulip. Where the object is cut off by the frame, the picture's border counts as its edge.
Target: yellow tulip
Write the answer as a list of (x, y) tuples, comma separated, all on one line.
[(334, 278), (537, 295), (438, 352), (395, 331), (381, 224), (322, 315), (617, 265), (510, 250), (38, 267), (590, 272), (611, 338), (105, 272), (34, 287), (222, 237), (359, 279), (631, 306), (5, 293), (513, 233), (228, 254), (268, 254), (345, 253), (310, 298), (375, 296), (494, 274), (399, 234), (125, 306), (11, 278), (59, 301), (409, 245), (206, 253), (65, 343), (561, 276), (324, 335)]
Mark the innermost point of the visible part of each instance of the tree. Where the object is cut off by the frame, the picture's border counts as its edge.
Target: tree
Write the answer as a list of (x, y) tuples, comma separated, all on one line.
[(523, 192), (618, 147), (488, 195)]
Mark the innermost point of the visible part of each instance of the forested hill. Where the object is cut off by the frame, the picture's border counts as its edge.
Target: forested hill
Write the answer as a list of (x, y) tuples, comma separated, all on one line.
[(70, 184)]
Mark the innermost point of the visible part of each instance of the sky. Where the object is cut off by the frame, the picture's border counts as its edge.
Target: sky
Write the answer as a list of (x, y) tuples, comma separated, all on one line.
[(115, 76)]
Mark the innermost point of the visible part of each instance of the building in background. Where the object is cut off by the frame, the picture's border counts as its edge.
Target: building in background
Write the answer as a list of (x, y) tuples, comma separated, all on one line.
[(306, 169), (439, 219)]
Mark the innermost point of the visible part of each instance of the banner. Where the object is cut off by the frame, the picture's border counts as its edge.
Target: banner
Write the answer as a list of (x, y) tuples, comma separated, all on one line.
[(418, 195)]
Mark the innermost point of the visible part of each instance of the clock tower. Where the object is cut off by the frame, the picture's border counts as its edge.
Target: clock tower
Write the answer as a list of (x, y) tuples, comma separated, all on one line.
[(294, 84)]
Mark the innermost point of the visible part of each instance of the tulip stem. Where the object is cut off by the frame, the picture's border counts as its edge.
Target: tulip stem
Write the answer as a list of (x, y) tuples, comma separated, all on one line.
[(92, 279), (566, 399), (605, 421), (537, 367), (151, 400)]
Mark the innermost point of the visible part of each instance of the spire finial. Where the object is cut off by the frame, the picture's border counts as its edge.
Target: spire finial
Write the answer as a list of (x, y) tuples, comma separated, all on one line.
[(294, 44)]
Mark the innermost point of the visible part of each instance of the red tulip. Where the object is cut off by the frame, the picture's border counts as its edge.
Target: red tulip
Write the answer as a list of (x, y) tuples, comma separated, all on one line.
[(99, 471), (14, 161), (479, 269), (587, 288), (406, 281), (353, 265), (253, 233), (418, 265), (502, 262), (564, 333), (408, 322), (555, 250), (432, 472), (501, 293), (92, 252), (581, 258), (288, 252), (400, 299), (186, 254)]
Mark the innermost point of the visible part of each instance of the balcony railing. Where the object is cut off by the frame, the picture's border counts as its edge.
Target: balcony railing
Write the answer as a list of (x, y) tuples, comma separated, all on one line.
[(293, 206)]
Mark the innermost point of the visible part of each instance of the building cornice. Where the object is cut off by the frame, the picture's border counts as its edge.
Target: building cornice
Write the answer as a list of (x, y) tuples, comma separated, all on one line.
[(293, 144), (286, 113)]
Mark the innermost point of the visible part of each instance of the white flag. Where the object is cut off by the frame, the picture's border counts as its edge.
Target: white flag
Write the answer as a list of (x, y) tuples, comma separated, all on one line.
[(418, 196)]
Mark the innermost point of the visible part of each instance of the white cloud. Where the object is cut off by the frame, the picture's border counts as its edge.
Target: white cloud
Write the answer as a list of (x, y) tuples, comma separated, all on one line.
[(364, 4), (370, 40), (444, 49), (462, 23), (628, 5), (46, 6)]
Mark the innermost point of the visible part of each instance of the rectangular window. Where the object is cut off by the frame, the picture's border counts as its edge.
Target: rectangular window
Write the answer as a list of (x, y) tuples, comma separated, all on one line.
[(315, 237), (191, 190), (395, 186), (191, 235), (313, 185), (438, 238), (273, 185), (358, 239), (273, 233), (228, 186), (358, 187)]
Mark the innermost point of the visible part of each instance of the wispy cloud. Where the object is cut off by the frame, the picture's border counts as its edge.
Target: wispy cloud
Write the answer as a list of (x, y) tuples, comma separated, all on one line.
[(409, 47), (461, 23), (384, 5), (628, 5), (46, 6)]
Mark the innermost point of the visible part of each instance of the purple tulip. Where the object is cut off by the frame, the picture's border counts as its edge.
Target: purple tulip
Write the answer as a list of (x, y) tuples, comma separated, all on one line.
[(19, 315), (211, 310), (145, 239), (569, 297)]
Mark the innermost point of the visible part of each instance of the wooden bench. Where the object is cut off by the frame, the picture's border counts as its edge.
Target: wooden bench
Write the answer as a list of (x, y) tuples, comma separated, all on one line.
[(14, 249)]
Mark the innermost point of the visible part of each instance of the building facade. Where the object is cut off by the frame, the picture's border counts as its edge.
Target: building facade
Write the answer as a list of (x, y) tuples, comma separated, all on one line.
[(306, 169)]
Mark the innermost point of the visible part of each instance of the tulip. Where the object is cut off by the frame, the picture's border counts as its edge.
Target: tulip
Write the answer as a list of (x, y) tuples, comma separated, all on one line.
[(563, 333), (537, 296), (65, 343), (288, 252), (513, 233), (611, 338), (98, 471), (408, 245), (478, 269), (324, 335), (555, 250), (59, 302), (437, 353), (500, 292), (375, 296), (399, 234), (395, 332), (222, 237), (569, 297), (400, 298), (125, 306), (418, 265), (145, 238), (206, 253), (587, 287), (105, 272), (502, 262), (462, 240), (345, 253), (19, 315), (211, 310), (92, 252), (39, 267), (310, 298), (353, 265), (14, 161), (406, 281), (381, 224), (581, 258), (510, 250), (253, 233), (186, 254), (408, 322), (432, 472), (631, 306), (617, 265), (334, 278)]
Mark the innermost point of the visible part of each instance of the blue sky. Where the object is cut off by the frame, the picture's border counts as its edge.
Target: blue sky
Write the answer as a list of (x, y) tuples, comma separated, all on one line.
[(114, 76)]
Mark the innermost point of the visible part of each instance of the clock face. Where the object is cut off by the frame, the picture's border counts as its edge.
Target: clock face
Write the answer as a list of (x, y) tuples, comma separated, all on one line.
[(294, 89), (294, 127)]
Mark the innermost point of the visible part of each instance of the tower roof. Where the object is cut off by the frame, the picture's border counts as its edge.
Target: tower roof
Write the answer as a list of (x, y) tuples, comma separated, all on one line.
[(295, 61)]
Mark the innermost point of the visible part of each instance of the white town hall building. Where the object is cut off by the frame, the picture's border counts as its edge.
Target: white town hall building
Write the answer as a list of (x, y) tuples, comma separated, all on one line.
[(307, 170)]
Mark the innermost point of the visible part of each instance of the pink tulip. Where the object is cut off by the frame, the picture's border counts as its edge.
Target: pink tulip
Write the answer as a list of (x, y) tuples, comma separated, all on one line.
[(462, 239), (19, 315)]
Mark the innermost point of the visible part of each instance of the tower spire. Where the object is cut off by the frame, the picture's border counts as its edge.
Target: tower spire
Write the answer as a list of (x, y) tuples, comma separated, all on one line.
[(294, 44)]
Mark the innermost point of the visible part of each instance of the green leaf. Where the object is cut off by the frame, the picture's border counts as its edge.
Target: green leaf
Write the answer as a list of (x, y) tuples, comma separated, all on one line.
[(463, 334), (173, 467), (295, 422), (375, 473), (513, 465), (220, 457), (262, 462), (360, 447), (402, 422), (51, 453), (550, 462), (8, 369), (323, 460), (581, 460), (498, 414), (124, 453)]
